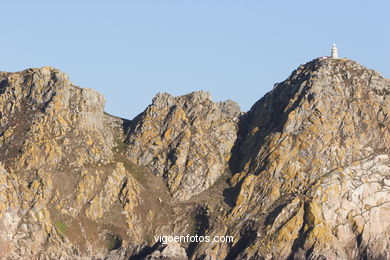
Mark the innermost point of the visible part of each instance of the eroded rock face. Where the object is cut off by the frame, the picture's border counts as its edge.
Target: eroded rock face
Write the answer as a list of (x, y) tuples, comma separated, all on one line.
[(304, 174), (169, 251), (43, 114), (313, 166), (56, 155), (186, 139)]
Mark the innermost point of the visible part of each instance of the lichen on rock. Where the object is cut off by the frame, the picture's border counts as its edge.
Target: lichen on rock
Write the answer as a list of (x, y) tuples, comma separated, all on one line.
[(305, 174), (186, 139)]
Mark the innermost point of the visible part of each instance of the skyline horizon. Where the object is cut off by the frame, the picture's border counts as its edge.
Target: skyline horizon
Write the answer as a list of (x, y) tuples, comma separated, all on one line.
[(129, 51), (200, 90)]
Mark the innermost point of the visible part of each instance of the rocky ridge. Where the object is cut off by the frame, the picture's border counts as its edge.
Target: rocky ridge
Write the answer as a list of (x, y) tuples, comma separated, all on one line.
[(185, 139), (304, 174), (312, 167)]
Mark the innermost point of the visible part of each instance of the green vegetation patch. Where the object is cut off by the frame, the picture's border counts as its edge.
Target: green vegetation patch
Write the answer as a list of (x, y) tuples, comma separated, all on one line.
[(61, 226), (136, 171), (121, 145)]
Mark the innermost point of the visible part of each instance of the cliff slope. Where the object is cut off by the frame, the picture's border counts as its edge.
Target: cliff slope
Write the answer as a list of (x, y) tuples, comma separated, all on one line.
[(304, 174), (312, 168)]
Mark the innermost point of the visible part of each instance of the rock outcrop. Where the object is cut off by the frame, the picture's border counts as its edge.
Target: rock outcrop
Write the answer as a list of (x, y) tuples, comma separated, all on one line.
[(62, 187), (186, 139), (43, 115), (305, 174), (170, 251), (313, 168)]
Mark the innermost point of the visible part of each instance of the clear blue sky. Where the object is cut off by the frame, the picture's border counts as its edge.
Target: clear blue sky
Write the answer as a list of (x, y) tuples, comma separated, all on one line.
[(130, 50)]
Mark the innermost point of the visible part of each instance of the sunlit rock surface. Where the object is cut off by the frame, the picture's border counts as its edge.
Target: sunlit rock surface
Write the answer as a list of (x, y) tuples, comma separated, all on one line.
[(304, 174)]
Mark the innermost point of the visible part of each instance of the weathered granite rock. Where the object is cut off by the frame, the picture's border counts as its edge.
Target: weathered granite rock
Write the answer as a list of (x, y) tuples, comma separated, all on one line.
[(169, 251), (56, 153), (312, 168), (186, 139), (305, 174), (47, 121)]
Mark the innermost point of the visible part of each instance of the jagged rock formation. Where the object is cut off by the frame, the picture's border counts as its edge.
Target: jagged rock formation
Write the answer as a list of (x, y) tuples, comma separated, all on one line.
[(186, 139), (42, 112), (304, 174), (313, 168), (63, 189)]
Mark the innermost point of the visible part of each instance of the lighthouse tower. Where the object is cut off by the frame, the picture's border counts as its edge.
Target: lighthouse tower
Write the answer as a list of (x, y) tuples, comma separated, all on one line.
[(334, 54)]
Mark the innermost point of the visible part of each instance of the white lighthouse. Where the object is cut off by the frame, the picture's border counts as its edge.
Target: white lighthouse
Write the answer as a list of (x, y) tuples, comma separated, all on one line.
[(334, 54)]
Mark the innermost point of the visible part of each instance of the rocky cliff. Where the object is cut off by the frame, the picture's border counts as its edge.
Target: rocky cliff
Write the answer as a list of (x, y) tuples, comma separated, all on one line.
[(304, 174), (312, 168), (186, 139)]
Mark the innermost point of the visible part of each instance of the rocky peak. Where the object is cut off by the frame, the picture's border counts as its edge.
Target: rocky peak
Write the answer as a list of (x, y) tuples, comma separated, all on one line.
[(186, 139), (39, 107), (304, 174), (306, 151), (57, 168)]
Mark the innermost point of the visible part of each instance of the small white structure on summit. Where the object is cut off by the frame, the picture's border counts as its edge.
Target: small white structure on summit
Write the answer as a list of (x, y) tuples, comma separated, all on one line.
[(334, 54)]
